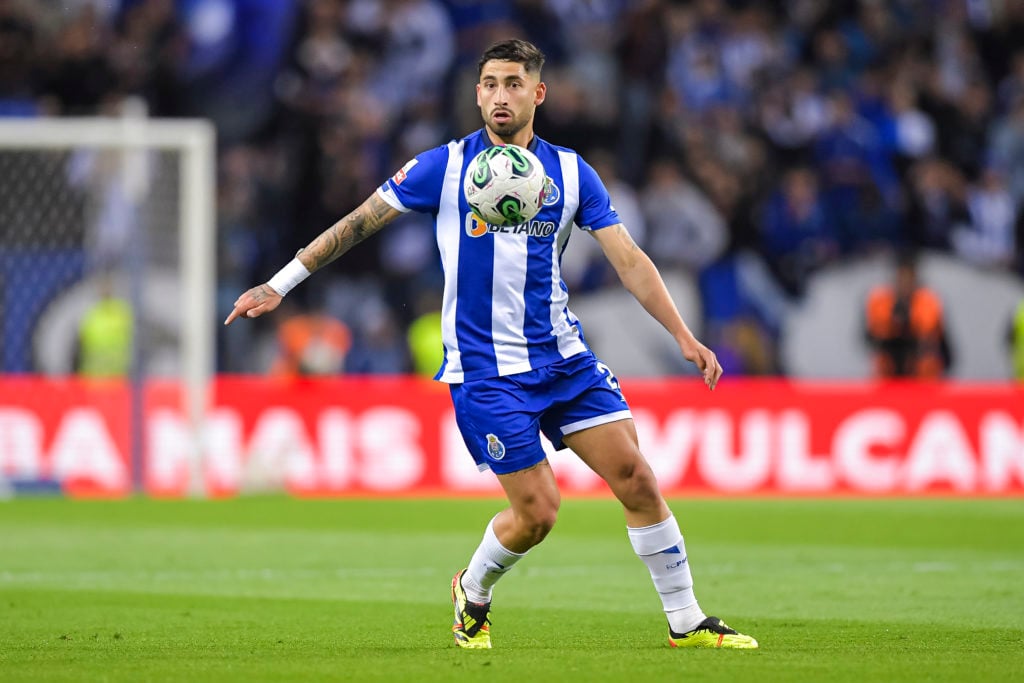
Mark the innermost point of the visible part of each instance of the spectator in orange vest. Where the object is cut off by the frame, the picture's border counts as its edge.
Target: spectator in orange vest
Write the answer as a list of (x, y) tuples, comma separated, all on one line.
[(312, 343), (905, 326)]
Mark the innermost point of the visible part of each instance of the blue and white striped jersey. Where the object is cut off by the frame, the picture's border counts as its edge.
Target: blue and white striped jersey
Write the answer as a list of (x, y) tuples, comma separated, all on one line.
[(505, 306)]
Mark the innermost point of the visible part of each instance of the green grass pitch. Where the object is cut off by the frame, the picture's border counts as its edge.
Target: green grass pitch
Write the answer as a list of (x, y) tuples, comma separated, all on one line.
[(277, 589)]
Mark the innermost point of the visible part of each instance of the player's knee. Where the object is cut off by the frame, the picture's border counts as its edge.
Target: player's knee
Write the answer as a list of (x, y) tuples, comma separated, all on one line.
[(544, 522), (633, 472), (628, 471), (539, 521), (636, 484), (645, 483)]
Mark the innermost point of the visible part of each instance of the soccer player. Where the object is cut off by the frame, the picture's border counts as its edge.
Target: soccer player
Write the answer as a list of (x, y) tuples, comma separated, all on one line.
[(515, 356)]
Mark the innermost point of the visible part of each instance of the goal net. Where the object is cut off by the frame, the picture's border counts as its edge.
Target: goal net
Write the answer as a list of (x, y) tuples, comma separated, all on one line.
[(107, 276)]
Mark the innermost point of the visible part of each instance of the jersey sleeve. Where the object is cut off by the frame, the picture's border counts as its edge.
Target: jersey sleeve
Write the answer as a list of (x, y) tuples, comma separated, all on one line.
[(417, 185), (595, 210)]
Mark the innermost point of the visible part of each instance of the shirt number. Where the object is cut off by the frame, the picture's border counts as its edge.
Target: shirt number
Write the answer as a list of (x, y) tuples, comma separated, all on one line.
[(610, 378)]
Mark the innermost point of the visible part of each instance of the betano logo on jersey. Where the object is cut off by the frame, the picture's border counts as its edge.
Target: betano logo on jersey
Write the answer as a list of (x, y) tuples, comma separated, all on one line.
[(533, 228)]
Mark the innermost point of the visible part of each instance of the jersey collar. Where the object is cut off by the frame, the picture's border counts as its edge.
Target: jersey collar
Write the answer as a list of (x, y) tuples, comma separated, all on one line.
[(532, 145)]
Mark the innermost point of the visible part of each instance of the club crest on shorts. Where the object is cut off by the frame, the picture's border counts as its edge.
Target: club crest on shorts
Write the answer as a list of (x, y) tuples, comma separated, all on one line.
[(495, 448)]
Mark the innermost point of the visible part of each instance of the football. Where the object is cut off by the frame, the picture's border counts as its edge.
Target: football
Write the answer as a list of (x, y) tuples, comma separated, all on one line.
[(504, 185)]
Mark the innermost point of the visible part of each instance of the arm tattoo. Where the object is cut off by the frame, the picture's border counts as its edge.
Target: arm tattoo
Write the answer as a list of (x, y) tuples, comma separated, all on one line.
[(260, 293), (367, 219)]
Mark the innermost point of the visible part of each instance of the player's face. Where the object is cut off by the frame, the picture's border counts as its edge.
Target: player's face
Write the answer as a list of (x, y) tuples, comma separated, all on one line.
[(508, 96)]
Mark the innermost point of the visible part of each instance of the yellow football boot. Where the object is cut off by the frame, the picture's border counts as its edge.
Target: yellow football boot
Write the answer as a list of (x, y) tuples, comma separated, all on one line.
[(472, 627), (712, 632)]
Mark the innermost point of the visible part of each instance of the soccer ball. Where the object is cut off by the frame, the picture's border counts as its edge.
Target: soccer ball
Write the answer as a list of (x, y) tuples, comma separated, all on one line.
[(504, 185)]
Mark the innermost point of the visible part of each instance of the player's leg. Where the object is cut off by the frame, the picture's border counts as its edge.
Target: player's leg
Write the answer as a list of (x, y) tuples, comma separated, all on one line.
[(613, 452), (533, 507), (500, 426)]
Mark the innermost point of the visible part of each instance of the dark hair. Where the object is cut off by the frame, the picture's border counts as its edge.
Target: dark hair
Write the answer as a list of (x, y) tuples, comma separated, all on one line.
[(513, 50)]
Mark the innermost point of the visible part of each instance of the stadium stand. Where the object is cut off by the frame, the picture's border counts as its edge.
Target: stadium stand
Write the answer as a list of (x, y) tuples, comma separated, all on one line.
[(809, 138)]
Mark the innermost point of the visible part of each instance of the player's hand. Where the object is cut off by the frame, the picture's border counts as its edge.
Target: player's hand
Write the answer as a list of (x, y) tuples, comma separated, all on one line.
[(254, 303), (706, 361)]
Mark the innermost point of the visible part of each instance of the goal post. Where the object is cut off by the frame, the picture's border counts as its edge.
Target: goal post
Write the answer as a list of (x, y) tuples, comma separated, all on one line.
[(175, 193)]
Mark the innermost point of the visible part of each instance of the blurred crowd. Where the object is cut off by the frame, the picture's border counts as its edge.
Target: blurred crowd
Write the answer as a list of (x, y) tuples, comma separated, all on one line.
[(746, 143)]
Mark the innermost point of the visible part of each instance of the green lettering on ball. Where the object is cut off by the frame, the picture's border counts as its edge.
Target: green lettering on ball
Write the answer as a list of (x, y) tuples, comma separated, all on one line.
[(520, 163), (512, 210), (482, 172)]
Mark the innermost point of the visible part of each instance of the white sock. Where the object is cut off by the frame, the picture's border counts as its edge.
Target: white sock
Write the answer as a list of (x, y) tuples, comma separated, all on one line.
[(490, 562), (661, 548)]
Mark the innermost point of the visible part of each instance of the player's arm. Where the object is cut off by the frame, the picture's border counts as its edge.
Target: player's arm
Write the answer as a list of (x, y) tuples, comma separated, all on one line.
[(367, 219), (641, 278)]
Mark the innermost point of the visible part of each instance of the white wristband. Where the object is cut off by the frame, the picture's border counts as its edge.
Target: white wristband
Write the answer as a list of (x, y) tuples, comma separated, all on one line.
[(288, 277)]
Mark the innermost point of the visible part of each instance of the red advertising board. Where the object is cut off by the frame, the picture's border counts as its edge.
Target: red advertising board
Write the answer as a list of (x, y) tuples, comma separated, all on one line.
[(397, 436)]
